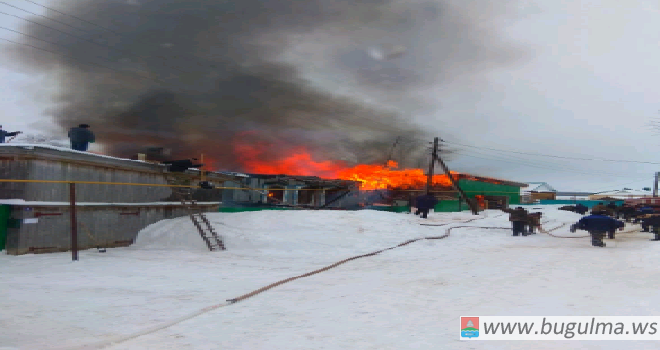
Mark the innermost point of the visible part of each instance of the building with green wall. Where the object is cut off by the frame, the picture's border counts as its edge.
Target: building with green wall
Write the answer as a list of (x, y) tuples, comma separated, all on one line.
[(497, 193)]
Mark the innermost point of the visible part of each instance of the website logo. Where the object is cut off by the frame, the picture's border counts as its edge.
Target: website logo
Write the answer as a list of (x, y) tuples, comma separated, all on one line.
[(469, 327)]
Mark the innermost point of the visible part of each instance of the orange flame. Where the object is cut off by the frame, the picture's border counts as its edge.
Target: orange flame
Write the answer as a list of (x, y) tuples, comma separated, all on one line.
[(300, 162)]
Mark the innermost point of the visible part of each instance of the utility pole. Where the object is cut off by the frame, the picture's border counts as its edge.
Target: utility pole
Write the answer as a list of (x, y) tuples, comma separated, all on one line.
[(655, 185), (470, 203), (434, 156)]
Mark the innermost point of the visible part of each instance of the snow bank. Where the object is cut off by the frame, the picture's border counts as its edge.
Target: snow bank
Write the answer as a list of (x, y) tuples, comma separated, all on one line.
[(305, 233), (287, 232)]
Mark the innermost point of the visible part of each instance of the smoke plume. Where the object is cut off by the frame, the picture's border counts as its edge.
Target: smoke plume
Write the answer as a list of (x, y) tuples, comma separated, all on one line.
[(340, 77)]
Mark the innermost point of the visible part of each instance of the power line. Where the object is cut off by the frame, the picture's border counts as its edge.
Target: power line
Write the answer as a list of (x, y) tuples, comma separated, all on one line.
[(628, 183), (553, 156), (72, 16), (88, 40), (544, 165), (71, 57), (534, 166), (110, 30), (48, 18)]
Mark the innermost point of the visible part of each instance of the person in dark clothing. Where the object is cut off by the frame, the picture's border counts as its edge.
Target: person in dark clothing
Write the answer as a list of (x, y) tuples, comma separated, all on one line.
[(654, 222), (627, 212), (581, 208), (534, 222), (4, 134), (425, 203), (646, 210), (598, 224), (647, 221), (81, 137), (568, 208), (600, 207), (518, 218), (620, 225), (179, 166)]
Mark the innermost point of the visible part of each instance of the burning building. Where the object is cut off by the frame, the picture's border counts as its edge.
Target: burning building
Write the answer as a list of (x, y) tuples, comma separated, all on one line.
[(254, 191), (360, 186)]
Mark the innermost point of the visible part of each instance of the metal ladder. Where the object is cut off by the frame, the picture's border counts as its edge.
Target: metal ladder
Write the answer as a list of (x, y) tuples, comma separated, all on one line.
[(201, 222)]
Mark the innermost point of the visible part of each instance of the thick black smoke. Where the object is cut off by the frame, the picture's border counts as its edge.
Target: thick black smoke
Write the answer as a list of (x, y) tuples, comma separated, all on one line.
[(201, 76)]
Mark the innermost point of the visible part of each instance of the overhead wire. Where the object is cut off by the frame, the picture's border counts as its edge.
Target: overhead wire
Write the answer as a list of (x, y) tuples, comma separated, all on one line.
[(72, 16), (46, 17), (554, 156), (88, 40), (527, 162), (541, 167), (73, 58), (110, 30)]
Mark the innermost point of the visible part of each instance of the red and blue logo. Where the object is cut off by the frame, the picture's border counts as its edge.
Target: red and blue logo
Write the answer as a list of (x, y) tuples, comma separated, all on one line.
[(469, 327)]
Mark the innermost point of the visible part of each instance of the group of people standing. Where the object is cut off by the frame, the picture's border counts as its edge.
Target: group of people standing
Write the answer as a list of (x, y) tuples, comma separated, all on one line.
[(604, 219), (523, 222), (599, 223), (80, 137)]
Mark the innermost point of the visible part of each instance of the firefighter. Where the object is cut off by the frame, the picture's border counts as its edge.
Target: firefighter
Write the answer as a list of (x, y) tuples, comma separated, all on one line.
[(598, 224), (599, 208), (4, 134), (653, 221), (581, 209), (612, 206), (425, 203), (534, 222), (647, 221), (518, 218), (81, 137)]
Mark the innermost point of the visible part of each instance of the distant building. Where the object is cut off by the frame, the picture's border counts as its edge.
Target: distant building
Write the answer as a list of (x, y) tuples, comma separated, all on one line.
[(621, 194), (537, 191)]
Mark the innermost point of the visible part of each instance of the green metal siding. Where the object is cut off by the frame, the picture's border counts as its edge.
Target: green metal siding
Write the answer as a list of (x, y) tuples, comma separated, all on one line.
[(447, 206), (475, 188), (243, 209), (394, 209), (5, 212)]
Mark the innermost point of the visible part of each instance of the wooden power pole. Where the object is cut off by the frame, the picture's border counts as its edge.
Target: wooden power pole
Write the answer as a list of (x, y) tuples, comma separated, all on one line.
[(434, 156), (470, 203)]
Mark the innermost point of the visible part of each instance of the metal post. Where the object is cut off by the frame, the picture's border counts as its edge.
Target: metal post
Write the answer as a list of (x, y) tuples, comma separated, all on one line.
[(201, 169), (434, 155), (74, 221), (655, 185)]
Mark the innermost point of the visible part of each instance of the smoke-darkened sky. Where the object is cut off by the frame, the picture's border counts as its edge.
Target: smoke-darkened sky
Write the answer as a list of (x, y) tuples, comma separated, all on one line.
[(345, 78)]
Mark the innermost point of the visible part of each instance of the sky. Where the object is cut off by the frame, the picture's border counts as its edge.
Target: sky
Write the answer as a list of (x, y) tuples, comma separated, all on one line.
[(583, 87)]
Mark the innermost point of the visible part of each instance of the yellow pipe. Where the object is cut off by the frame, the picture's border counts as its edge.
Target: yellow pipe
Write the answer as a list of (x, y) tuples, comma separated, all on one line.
[(226, 188)]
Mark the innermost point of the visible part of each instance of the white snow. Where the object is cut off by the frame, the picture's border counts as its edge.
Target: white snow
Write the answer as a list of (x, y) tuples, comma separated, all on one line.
[(64, 149), (406, 298)]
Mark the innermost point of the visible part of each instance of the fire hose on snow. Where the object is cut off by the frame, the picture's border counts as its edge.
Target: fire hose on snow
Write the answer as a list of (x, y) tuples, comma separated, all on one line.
[(105, 344)]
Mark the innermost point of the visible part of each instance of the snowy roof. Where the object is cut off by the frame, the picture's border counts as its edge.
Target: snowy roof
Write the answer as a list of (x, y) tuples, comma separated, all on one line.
[(89, 156), (232, 173), (539, 187), (30, 146), (625, 192)]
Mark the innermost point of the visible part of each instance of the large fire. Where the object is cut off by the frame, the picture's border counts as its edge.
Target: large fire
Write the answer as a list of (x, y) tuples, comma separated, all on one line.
[(371, 176)]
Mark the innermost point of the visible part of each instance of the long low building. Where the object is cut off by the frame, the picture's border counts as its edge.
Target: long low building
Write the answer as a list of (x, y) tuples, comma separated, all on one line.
[(35, 212), (36, 209)]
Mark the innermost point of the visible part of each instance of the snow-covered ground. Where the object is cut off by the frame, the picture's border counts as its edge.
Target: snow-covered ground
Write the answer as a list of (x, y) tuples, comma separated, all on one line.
[(406, 298)]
